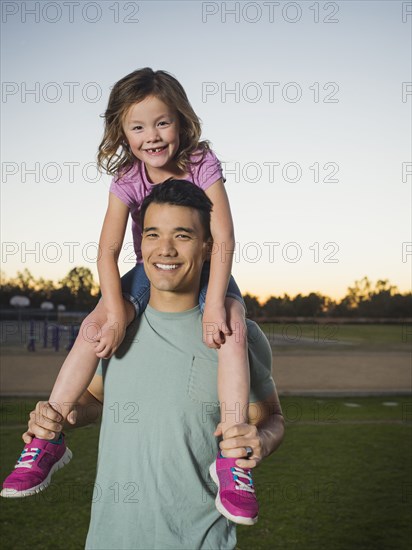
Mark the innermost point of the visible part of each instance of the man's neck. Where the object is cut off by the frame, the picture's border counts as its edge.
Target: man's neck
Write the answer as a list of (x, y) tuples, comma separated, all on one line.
[(172, 302)]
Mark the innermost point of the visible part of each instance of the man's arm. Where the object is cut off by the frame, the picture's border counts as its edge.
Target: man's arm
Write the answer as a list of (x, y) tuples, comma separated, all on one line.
[(45, 422), (270, 424), (90, 405), (263, 434)]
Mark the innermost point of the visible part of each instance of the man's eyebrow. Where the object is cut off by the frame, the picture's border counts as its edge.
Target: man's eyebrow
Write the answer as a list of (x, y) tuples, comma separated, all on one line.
[(185, 229)]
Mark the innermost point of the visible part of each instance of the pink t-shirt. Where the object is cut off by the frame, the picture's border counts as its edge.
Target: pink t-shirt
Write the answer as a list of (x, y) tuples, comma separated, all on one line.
[(132, 188)]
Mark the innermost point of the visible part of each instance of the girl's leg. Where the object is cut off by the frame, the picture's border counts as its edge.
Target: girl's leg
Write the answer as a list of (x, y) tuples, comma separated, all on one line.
[(80, 365), (41, 458), (233, 360), (236, 497), (233, 369)]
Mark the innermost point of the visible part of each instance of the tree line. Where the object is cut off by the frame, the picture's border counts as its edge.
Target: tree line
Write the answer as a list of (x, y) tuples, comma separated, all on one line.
[(78, 291)]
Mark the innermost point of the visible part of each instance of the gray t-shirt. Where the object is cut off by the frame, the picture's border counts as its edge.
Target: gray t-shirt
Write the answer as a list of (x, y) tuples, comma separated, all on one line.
[(153, 489)]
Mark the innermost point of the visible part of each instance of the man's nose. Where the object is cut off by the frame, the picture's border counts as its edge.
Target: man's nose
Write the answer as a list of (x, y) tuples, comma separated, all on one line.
[(167, 248)]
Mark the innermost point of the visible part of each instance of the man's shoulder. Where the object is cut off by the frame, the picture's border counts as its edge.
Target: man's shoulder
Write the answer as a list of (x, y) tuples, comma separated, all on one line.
[(260, 361), (257, 339)]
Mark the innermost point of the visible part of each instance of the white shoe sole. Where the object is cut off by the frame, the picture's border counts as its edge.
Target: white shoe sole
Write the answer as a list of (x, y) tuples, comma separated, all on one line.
[(12, 493), (236, 519)]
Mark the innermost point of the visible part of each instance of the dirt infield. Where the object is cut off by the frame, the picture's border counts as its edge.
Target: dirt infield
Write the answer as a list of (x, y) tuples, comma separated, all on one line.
[(344, 372), (29, 373), (324, 373)]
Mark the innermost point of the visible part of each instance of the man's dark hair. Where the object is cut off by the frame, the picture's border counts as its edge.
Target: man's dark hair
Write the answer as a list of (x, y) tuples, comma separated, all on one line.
[(181, 193)]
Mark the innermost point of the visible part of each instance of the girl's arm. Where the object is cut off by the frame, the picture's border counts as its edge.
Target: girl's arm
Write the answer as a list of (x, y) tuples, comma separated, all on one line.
[(110, 244), (220, 263)]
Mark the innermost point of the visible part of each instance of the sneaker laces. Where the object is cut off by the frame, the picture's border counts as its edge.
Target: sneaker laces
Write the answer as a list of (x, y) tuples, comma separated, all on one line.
[(239, 484), (33, 453)]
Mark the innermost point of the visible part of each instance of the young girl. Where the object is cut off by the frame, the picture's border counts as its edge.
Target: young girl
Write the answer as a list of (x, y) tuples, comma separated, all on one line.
[(151, 134)]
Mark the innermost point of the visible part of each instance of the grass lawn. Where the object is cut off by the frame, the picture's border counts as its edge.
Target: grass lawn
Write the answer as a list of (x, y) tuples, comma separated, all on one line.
[(374, 337), (341, 480)]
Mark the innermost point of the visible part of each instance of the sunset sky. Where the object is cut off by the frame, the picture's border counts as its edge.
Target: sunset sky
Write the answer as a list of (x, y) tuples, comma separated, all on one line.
[(307, 104)]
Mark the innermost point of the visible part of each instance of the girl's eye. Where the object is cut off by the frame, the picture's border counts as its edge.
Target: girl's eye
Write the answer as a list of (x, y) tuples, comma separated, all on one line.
[(164, 123), (137, 127)]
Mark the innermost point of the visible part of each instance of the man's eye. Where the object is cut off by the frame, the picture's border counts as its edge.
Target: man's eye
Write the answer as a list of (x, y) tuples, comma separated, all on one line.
[(182, 236), (151, 235)]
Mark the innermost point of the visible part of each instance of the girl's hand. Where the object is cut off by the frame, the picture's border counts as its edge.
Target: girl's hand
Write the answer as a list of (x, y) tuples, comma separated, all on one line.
[(215, 327), (235, 441), (111, 335)]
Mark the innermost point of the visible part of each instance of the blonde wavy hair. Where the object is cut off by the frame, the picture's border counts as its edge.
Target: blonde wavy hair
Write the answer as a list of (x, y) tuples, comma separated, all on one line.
[(114, 154)]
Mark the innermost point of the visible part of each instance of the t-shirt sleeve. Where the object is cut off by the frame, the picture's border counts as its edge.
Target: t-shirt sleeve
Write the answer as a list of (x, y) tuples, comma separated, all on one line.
[(260, 359), (208, 171), (122, 190), (99, 369)]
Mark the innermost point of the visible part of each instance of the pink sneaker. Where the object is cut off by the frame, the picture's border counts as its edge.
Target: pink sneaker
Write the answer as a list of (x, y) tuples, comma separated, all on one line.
[(235, 499), (35, 467)]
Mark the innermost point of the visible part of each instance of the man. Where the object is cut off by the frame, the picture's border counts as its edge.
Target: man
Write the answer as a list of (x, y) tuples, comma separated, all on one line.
[(159, 401)]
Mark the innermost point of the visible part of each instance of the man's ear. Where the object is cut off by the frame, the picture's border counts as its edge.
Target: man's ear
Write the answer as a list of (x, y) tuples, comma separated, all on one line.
[(208, 249)]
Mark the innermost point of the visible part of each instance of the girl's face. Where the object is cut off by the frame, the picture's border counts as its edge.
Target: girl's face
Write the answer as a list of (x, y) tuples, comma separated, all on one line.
[(152, 131)]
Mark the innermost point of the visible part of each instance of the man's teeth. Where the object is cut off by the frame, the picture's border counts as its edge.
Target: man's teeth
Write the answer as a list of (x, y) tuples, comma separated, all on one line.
[(166, 267)]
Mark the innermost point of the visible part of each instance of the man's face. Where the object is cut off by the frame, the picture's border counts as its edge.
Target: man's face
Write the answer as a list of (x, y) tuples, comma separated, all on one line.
[(173, 248)]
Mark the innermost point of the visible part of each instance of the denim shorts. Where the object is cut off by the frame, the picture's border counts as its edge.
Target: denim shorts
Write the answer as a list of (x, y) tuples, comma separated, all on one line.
[(136, 288)]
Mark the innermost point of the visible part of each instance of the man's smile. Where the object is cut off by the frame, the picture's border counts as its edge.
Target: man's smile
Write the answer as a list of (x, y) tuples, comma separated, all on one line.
[(166, 267)]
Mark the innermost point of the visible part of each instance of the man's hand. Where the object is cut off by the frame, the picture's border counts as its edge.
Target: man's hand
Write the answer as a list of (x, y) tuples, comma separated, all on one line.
[(215, 326), (45, 422), (111, 335), (235, 441)]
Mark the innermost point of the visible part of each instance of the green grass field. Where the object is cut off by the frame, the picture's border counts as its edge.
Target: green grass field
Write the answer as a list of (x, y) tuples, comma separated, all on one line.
[(341, 480), (350, 337)]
